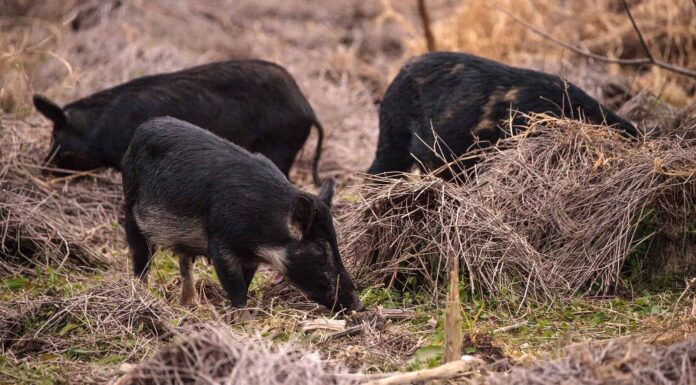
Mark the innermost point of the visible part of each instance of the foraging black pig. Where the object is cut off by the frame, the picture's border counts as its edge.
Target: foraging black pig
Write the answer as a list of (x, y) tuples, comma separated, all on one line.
[(464, 99), (253, 103), (197, 194)]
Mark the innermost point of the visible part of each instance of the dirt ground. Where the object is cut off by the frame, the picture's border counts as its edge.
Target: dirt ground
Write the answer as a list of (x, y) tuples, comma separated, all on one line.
[(56, 325)]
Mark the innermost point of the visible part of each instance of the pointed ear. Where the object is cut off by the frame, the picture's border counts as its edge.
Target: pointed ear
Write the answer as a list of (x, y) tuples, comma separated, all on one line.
[(49, 109), (301, 216)]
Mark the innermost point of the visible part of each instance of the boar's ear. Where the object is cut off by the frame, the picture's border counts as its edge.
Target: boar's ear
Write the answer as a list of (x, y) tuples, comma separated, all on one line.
[(301, 216), (327, 191), (49, 109)]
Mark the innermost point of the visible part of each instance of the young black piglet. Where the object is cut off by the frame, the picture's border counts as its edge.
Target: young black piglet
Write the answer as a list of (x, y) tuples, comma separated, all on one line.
[(197, 194)]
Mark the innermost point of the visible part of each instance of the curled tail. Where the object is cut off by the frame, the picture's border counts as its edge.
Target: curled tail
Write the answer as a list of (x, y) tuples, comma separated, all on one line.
[(317, 153)]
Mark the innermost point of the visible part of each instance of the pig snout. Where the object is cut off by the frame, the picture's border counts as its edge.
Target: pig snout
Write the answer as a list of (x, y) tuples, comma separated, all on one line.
[(357, 306), (351, 302)]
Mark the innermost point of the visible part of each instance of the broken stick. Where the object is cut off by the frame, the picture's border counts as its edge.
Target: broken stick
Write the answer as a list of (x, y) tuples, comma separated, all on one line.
[(448, 370)]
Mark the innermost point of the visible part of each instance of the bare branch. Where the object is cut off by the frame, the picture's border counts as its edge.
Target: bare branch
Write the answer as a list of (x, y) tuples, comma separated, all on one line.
[(425, 18), (638, 61), (446, 371), (638, 32), (571, 47)]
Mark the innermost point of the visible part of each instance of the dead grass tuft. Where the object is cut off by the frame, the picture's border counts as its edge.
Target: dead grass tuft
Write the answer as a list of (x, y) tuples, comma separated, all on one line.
[(214, 355), (615, 363), (553, 212), (50, 220), (116, 318), (684, 124), (651, 113)]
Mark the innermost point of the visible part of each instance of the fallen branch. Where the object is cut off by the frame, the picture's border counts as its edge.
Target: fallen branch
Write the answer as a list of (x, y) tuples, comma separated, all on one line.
[(449, 370), (397, 314), (323, 324), (508, 328), (353, 330)]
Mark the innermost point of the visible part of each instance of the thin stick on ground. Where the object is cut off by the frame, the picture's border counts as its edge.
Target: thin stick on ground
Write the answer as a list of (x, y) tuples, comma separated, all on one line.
[(447, 371), (453, 316)]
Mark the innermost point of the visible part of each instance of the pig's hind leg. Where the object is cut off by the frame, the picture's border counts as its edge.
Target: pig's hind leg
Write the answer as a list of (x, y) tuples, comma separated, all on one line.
[(140, 250), (188, 290)]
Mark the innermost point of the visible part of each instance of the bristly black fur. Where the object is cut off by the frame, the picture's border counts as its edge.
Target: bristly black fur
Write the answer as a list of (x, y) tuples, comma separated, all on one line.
[(464, 99), (253, 103), (198, 194)]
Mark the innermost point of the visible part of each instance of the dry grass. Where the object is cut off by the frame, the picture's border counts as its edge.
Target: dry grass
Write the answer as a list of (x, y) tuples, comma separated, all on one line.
[(651, 113), (117, 318), (553, 212), (684, 124), (614, 363), (601, 27), (214, 355), (48, 220)]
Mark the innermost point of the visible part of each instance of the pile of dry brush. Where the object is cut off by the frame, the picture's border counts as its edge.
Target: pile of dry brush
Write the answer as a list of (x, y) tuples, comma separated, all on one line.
[(213, 355), (48, 219), (615, 364), (552, 212), (114, 318)]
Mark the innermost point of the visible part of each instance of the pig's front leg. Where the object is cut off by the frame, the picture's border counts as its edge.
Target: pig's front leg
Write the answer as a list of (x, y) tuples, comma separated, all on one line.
[(230, 272)]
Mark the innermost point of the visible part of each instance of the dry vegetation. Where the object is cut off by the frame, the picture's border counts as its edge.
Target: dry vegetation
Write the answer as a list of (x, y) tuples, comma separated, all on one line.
[(214, 356), (615, 363), (118, 314), (566, 233), (51, 221), (555, 211), (597, 26)]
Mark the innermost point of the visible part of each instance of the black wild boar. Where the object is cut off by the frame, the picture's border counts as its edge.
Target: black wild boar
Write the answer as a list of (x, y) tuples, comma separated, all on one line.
[(253, 103), (197, 194), (466, 98)]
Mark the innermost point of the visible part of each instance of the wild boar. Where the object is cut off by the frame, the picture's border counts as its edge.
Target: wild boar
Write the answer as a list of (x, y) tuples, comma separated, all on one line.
[(197, 194), (253, 103), (463, 100)]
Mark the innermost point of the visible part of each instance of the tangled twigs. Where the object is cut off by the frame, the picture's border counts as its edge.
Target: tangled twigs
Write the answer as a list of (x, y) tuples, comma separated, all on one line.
[(615, 363), (214, 355), (553, 212), (45, 220)]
